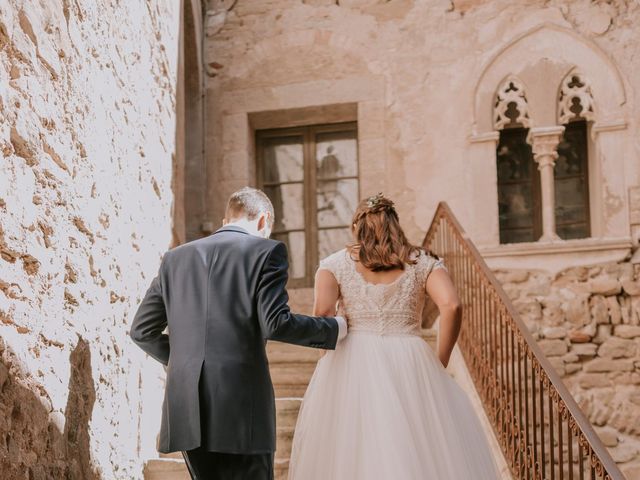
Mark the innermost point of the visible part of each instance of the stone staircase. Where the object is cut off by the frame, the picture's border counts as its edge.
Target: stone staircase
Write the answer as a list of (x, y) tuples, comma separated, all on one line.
[(291, 370)]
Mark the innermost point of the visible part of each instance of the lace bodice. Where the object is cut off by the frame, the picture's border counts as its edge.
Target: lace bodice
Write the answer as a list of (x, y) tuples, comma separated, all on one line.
[(392, 308)]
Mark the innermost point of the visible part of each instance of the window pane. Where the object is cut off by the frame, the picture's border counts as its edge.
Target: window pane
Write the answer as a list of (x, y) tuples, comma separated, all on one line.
[(283, 159), (337, 154), (515, 160), (332, 240), (514, 206), (568, 232), (572, 151), (570, 206), (288, 203), (297, 252), (516, 187), (571, 183), (337, 200)]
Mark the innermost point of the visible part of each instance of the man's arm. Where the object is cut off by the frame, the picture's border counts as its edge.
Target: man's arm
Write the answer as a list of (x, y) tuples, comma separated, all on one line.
[(149, 323), (276, 320)]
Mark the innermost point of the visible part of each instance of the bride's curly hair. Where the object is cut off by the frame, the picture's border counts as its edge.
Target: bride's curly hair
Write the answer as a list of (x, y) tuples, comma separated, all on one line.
[(379, 241)]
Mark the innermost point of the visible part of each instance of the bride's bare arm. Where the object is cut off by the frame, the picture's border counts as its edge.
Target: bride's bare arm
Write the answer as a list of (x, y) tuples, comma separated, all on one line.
[(326, 294), (442, 291)]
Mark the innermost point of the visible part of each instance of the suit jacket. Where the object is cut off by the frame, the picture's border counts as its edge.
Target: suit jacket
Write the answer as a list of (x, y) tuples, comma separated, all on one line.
[(222, 297)]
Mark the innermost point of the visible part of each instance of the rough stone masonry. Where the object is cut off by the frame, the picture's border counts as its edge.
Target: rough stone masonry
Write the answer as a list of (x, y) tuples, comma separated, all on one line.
[(87, 131)]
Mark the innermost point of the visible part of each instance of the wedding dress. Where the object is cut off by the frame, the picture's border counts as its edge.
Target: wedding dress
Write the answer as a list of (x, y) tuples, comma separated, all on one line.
[(382, 406)]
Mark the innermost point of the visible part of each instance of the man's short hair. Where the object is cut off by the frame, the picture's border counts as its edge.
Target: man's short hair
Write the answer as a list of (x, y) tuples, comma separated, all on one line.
[(248, 203)]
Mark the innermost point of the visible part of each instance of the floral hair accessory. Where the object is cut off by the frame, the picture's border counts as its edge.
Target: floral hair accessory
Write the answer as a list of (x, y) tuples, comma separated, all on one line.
[(374, 200)]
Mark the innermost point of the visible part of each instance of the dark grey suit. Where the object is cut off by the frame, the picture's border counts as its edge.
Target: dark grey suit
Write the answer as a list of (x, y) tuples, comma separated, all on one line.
[(222, 297)]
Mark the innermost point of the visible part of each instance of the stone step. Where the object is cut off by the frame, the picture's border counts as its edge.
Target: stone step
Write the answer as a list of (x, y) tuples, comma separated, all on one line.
[(170, 466), (284, 439), (290, 379), (279, 352), (280, 469), (166, 469), (291, 369), (430, 336), (174, 455), (287, 411)]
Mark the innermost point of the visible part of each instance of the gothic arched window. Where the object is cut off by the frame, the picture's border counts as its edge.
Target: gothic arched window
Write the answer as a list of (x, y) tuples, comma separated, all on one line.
[(518, 180), (571, 173)]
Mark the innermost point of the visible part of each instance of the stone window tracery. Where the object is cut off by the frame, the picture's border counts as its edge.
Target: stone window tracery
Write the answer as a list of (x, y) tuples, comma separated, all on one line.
[(511, 107), (575, 99)]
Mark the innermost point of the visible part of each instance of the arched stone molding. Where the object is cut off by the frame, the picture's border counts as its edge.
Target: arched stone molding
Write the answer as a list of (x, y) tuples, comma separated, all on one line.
[(544, 59), (541, 58)]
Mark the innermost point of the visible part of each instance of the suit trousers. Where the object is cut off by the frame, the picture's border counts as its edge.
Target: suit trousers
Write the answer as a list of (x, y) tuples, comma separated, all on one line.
[(204, 465)]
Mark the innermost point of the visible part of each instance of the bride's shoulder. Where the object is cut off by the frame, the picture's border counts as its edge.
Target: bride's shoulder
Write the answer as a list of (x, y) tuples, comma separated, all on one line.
[(335, 261), (427, 261)]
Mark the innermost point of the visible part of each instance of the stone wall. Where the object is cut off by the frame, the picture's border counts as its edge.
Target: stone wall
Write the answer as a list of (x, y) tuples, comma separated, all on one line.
[(587, 322), (423, 75), (87, 131)]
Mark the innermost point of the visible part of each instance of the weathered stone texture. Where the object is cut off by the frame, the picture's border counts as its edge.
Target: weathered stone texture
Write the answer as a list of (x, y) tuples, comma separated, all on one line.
[(600, 361), (86, 132)]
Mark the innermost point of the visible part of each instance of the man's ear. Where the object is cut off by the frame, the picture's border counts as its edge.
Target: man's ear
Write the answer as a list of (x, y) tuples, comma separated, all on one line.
[(262, 222)]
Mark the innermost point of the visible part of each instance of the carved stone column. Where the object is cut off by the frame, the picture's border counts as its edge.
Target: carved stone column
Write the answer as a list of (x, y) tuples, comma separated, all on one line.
[(544, 141)]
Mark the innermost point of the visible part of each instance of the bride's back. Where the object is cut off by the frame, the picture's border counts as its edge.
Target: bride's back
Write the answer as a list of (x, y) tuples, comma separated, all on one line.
[(385, 308), (381, 276)]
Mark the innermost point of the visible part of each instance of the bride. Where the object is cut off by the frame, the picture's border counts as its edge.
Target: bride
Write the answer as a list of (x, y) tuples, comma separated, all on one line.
[(382, 406)]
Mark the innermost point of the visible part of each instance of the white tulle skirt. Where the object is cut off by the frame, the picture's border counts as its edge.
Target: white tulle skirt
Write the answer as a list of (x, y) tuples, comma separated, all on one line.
[(384, 407)]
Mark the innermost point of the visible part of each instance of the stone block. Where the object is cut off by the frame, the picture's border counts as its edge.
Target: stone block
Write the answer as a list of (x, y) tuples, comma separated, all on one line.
[(585, 349), (631, 287), (599, 309), (602, 333), (634, 318), (593, 380), (608, 435), (554, 332), (613, 307), (605, 286), (577, 310), (558, 365), (580, 336), (623, 453), (572, 367), (606, 365), (627, 331), (553, 348), (625, 378), (512, 276), (615, 347)]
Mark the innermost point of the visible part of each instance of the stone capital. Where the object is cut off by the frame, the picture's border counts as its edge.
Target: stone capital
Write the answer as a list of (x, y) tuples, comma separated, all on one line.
[(544, 141)]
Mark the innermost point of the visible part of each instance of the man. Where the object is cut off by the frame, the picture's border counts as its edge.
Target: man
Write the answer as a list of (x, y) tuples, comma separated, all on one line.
[(222, 297)]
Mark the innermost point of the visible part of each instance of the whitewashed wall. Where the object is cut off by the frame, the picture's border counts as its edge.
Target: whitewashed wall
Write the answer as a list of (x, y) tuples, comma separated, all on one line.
[(87, 131)]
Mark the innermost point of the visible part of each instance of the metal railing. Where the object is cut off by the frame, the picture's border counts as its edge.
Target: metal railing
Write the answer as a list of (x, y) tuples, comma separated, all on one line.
[(540, 428)]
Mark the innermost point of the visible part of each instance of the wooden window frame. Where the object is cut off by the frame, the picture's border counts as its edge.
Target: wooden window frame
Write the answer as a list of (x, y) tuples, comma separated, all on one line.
[(310, 182)]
